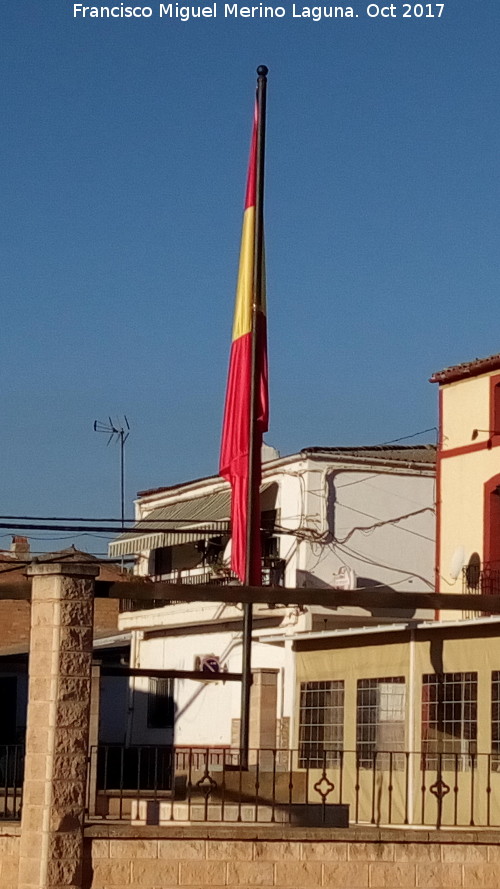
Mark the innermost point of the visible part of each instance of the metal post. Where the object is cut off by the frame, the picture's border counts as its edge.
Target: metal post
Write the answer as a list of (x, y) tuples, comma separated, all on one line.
[(120, 433), (254, 457), (122, 476)]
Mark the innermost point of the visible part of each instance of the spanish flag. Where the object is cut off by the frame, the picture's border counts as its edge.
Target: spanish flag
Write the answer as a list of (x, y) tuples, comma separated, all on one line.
[(246, 407)]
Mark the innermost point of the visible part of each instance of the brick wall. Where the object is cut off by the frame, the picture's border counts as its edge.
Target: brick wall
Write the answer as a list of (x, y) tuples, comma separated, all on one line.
[(15, 620), (147, 858)]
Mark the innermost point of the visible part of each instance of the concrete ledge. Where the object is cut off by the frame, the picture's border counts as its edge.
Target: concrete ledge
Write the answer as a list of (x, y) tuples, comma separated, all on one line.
[(117, 830), (67, 569)]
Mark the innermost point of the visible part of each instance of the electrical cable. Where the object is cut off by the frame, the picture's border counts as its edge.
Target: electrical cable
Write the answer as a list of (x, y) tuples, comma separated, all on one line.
[(160, 527), (353, 554), (35, 518), (380, 522), (406, 437)]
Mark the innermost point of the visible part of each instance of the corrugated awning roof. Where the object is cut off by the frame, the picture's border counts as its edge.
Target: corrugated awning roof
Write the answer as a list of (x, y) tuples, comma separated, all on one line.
[(171, 524)]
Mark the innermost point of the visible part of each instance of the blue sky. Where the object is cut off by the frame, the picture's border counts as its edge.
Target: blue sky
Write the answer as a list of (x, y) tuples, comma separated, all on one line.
[(123, 160)]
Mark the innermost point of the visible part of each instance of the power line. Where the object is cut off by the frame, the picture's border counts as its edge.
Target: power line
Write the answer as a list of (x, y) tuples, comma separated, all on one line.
[(45, 518), (352, 553), (62, 536), (37, 518), (414, 435), (379, 522), (158, 526)]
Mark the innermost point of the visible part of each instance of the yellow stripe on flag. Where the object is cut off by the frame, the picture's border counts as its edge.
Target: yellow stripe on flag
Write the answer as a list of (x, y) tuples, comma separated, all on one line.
[(244, 291)]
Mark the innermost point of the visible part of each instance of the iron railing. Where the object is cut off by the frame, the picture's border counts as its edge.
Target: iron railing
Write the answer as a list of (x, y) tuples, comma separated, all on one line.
[(162, 785), (11, 780), (481, 580), (273, 574)]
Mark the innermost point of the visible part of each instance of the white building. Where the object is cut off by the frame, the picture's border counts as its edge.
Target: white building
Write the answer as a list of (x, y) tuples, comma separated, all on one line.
[(354, 518)]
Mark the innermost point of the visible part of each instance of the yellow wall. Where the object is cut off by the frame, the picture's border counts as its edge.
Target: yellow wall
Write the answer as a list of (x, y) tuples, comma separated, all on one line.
[(391, 792), (462, 480), (465, 407), (351, 664), (450, 650)]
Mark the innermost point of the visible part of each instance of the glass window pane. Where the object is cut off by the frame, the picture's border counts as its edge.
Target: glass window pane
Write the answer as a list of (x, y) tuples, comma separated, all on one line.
[(321, 727)]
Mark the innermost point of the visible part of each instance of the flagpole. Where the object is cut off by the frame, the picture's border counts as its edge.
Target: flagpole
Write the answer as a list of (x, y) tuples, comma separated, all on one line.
[(255, 443)]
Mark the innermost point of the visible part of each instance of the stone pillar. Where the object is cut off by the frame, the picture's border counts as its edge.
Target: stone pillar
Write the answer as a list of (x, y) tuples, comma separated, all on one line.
[(263, 716), (55, 780), (263, 703)]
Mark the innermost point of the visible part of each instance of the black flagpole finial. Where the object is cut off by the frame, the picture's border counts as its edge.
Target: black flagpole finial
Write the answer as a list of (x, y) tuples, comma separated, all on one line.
[(262, 70)]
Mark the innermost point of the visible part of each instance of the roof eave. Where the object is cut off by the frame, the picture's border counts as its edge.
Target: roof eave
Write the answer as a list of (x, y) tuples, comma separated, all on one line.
[(465, 371)]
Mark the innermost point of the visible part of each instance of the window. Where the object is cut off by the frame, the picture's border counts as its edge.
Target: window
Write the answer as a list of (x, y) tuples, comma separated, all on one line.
[(268, 519), (494, 408), (495, 720), (491, 532), (449, 719), (162, 558), (269, 543), (8, 696), (321, 729), (161, 703), (380, 722)]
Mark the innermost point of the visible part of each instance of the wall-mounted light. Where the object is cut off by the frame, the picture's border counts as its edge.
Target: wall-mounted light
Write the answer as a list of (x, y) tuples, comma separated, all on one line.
[(490, 432)]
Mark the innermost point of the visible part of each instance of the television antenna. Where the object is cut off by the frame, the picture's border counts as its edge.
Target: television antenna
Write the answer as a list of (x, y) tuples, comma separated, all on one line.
[(117, 432)]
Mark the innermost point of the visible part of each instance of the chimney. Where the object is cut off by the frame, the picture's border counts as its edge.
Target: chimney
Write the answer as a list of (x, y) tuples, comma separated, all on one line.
[(20, 547)]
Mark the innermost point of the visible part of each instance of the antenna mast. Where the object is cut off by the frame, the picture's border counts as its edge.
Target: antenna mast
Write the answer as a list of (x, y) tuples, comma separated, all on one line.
[(118, 432)]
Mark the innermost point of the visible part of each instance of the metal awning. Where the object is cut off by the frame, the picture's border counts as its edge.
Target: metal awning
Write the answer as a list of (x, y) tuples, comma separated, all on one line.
[(185, 521)]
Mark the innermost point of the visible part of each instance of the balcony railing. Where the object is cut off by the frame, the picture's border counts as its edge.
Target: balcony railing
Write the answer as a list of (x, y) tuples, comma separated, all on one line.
[(165, 785), (11, 780), (481, 580), (273, 574)]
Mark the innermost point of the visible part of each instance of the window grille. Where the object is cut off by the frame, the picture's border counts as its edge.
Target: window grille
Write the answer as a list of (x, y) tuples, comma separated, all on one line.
[(321, 729), (449, 720), (380, 722)]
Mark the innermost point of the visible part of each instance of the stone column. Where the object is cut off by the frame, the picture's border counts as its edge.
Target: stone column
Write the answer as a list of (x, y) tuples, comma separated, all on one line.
[(60, 665), (263, 704)]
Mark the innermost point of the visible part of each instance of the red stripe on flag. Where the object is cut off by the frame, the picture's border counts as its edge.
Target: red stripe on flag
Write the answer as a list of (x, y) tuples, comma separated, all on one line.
[(236, 444)]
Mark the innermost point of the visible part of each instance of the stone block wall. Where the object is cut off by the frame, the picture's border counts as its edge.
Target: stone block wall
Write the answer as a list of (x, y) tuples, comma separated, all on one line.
[(121, 857), (285, 858), (9, 855)]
